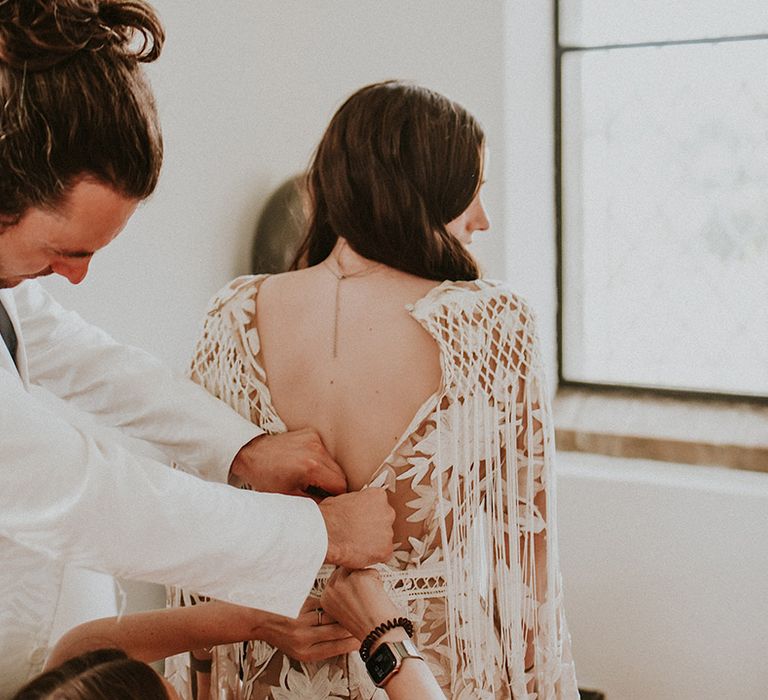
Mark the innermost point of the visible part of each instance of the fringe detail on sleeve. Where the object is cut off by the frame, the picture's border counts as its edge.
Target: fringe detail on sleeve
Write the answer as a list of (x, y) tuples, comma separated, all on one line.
[(496, 508)]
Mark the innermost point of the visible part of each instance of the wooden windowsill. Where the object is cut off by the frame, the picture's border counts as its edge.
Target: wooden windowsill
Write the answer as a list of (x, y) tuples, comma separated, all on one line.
[(686, 431)]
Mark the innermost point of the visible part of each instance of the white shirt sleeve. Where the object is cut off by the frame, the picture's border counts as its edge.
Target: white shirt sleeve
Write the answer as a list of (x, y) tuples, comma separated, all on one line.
[(72, 497), (126, 388)]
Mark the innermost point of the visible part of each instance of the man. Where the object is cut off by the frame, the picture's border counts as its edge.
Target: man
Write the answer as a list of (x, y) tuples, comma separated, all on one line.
[(80, 147)]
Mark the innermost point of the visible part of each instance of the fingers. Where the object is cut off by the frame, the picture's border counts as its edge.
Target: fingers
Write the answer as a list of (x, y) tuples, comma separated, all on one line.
[(324, 482), (316, 616), (313, 615), (326, 650), (328, 632), (294, 463), (306, 640), (326, 475)]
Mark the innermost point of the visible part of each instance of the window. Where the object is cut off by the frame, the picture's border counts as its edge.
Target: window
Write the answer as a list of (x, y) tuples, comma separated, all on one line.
[(663, 195)]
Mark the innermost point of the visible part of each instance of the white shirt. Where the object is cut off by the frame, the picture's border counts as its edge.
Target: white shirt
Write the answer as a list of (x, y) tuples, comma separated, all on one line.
[(66, 495)]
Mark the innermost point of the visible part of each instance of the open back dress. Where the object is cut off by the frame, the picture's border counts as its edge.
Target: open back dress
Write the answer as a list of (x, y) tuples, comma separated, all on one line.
[(471, 480)]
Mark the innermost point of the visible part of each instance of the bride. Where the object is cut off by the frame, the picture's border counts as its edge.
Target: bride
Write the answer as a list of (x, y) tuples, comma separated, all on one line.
[(420, 377)]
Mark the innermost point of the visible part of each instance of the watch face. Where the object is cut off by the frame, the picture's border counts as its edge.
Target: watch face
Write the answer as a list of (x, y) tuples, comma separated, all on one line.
[(381, 663)]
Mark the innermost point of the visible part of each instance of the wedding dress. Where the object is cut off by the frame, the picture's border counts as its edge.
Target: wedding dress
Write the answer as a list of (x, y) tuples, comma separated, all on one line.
[(473, 487)]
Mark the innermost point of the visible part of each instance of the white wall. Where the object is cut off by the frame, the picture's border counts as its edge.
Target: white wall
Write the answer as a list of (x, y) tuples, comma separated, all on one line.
[(245, 89), (665, 569)]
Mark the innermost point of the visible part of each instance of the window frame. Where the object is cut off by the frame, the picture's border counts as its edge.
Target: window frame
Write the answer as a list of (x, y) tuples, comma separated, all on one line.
[(607, 388)]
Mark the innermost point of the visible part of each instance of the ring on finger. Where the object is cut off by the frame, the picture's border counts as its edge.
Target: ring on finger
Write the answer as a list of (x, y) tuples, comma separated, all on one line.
[(319, 612)]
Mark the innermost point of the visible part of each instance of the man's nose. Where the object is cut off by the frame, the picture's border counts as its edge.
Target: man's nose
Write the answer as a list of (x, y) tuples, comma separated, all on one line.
[(74, 270)]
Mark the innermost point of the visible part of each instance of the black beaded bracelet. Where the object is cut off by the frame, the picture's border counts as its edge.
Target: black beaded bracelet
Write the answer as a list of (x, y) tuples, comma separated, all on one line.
[(365, 647), (200, 665)]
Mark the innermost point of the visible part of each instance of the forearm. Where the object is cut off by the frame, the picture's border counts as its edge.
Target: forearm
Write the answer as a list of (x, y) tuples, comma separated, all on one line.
[(128, 389), (92, 503), (358, 601), (157, 634)]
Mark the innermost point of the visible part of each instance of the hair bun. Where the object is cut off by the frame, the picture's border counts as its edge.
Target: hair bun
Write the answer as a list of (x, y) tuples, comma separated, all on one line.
[(38, 34)]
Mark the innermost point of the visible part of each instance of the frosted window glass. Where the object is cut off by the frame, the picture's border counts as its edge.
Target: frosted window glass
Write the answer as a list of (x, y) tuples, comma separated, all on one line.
[(601, 22), (665, 217)]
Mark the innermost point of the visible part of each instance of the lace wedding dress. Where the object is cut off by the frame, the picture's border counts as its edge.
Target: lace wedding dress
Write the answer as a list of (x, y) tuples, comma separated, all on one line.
[(471, 481)]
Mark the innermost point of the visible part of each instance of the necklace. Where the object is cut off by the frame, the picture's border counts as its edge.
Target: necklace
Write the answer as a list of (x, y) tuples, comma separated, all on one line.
[(340, 276)]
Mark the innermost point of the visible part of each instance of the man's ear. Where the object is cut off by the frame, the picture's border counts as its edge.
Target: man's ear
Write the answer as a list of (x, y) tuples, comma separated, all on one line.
[(7, 221)]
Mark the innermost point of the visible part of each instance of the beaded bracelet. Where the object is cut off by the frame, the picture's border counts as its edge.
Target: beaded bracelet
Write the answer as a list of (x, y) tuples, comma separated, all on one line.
[(365, 647), (200, 665)]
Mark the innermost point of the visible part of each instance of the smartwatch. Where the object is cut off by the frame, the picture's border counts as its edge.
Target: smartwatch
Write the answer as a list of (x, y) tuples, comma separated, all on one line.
[(385, 662)]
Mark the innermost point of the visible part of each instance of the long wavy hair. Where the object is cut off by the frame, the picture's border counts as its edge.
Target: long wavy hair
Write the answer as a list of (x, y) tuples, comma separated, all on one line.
[(395, 165), (75, 100)]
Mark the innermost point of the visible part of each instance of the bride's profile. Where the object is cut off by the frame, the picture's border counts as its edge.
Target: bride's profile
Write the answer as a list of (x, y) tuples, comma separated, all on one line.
[(420, 376)]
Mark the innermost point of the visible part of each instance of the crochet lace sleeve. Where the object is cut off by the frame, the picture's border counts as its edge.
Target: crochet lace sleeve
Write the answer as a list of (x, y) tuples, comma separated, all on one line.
[(496, 494)]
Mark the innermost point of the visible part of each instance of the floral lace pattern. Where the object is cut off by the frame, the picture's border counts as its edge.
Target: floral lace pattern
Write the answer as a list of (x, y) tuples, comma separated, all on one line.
[(476, 565)]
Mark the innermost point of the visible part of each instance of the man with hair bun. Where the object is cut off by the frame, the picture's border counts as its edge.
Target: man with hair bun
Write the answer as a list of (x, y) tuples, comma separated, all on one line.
[(80, 147)]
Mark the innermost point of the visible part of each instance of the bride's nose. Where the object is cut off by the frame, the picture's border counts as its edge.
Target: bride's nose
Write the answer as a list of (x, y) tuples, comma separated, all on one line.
[(479, 219)]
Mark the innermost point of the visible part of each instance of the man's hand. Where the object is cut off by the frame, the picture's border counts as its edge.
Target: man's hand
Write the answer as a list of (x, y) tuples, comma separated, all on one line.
[(294, 463), (359, 527)]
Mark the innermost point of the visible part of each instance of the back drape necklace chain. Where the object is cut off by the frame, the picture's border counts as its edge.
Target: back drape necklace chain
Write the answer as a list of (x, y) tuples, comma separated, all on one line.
[(340, 276)]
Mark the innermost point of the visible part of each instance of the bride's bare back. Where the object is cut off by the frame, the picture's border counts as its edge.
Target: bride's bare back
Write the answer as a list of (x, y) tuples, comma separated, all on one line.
[(387, 365)]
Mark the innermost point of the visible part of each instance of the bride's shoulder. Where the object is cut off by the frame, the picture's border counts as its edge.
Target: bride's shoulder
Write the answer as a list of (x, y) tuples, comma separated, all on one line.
[(487, 297), (236, 292), (477, 316), (240, 293)]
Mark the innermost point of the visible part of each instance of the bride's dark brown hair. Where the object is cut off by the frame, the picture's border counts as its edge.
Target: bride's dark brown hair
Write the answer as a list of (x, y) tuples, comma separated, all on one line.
[(75, 101), (395, 165)]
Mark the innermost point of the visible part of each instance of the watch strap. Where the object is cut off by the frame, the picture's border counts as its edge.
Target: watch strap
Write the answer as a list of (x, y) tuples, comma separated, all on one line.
[(406, 649)]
